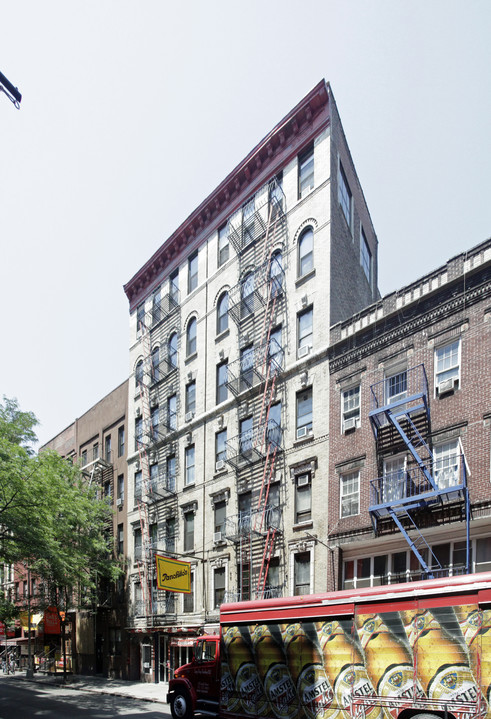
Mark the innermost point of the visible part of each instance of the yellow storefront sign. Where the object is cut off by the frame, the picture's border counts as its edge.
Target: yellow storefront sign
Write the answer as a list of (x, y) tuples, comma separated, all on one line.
[(173, 575)]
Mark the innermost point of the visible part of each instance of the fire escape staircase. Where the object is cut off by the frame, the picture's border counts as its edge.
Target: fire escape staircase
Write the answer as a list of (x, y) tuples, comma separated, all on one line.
[(404, 494)]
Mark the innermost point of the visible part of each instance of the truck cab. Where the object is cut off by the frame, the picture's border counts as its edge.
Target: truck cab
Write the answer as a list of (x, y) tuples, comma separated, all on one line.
[(196, 686)]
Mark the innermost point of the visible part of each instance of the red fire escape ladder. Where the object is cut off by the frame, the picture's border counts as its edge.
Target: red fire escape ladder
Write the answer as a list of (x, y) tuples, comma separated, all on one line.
[(268, 551)]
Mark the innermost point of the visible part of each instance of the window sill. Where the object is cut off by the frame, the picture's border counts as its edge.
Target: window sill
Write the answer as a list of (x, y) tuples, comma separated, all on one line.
[(190, 358), (308, 524), (222, 335), (305, 278), (189, 486), (303, 440)]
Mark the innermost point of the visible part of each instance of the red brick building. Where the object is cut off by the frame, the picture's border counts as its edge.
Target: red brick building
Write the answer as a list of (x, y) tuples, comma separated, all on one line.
[(410, 430)]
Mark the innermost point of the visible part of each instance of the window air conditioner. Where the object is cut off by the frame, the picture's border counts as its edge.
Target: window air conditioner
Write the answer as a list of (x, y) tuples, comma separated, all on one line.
[(301, 432), (138, 412), (304, 351), (303, 480), (446, 386), (220, 465), (349, 423), (217, 537), (119, 502), (189, 416)]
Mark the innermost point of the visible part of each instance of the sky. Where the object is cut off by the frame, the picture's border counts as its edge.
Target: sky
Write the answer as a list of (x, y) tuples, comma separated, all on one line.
[(133, 111)]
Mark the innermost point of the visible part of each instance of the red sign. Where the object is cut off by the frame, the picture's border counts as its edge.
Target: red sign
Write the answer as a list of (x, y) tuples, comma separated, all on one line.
[(52, 621), (10, 632)]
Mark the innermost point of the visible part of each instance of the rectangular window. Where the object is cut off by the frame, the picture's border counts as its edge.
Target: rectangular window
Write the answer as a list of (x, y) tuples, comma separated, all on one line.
[(121, 487), (301, 572), (172, 412), (188, 601), (138, 432), (190, 465), (396, 387), (223, 245), (156, 306), (349, 485), (248, 221), (95, 451), (220, 448), (170, 535), (275, 350), (220, 516), (140, 317), (108, 455), (246, 367), (218, 586), (344, 195), (154, 478), (188, 531), (222, 377), (120, 441), (304, 413), (273, 588), (305, 332), (305, 173), (138, 486), (155, 421), (171, 473), (137, 539), (192, 272), (483, 555), (191, 398), (365, 257), (447, 367), (394, 480), (350, 399), (245, 439), (303, 499), (174, 287), (120, 548), (446, 460)]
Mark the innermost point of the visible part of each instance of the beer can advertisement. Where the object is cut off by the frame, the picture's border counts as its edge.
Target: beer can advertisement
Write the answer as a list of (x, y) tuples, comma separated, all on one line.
[(173, 575), (370, 666)]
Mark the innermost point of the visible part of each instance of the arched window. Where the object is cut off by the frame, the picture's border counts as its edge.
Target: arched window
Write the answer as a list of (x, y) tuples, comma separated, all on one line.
[(306, 252), (222, 313), (172, 349), (276, 272), (156, 364), (139, 373), (191, 337), (247, 295)]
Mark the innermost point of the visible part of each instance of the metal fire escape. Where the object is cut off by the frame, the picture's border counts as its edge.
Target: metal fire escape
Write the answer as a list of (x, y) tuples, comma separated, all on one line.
[(158, 371), (257, 232), (416, 496)]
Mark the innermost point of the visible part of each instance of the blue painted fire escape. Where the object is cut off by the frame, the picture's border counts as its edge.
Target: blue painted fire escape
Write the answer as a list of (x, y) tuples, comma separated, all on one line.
[(400, 410)]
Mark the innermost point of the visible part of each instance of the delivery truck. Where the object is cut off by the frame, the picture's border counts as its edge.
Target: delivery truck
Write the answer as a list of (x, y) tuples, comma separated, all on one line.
[(403, 651)]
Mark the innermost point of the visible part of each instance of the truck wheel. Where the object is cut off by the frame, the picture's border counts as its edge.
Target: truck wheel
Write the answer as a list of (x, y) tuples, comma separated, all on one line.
[(181, 705)]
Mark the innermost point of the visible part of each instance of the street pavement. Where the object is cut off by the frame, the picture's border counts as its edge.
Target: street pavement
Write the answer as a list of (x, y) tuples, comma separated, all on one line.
[(144, 691)]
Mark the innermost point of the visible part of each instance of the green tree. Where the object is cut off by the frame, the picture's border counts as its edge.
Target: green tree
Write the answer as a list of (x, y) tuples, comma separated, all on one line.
[(50, 516)]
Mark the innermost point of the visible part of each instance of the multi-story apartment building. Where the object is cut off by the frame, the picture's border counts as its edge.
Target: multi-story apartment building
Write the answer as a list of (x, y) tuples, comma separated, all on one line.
[(229, 387), (98, 442), (410, 431)]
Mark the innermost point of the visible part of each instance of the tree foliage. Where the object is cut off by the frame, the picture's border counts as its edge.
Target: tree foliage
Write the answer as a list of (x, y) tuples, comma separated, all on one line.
[(50, 515)]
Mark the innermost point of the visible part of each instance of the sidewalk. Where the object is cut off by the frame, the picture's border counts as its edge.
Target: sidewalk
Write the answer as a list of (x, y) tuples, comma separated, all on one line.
[(146, 691)]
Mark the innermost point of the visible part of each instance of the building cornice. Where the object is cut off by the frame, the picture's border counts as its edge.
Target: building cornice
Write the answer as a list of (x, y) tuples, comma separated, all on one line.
[(297, 129)]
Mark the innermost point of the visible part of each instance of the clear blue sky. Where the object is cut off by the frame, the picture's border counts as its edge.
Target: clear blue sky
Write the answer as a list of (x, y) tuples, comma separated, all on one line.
[(134, 110)]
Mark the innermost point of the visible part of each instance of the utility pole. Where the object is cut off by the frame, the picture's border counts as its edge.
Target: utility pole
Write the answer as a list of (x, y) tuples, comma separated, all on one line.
[(12, 92)]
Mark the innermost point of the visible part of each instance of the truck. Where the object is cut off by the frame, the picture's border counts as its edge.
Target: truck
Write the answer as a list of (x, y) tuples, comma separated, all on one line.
[(418, 650)]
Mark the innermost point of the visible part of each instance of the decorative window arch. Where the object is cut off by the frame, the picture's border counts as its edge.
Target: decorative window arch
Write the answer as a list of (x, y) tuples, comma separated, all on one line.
[(222, 313), (191, 331)]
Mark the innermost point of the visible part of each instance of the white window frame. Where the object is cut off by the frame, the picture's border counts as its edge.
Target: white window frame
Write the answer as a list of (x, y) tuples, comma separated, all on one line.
[(391, 398), (297, 550), (343, 495), (394, 478), (306, 183), (450, 368), (446, 463), (188, 467), (350, 410)]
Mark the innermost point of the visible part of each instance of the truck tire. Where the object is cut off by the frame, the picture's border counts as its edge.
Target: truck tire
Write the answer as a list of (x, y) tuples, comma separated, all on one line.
[(180, 706)]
